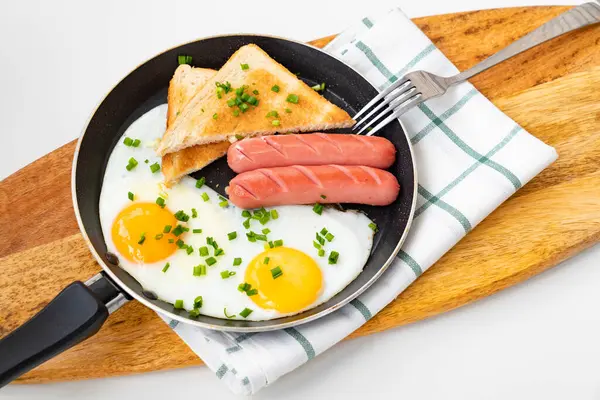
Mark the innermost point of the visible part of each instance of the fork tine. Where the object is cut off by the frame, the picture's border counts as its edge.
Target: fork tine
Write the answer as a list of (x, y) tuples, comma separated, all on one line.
[(404, 107), (393, 104), (396, 93), (380, 96)]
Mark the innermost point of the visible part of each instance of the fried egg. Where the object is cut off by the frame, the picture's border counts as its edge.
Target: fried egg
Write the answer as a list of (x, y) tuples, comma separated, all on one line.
[(195, 250)]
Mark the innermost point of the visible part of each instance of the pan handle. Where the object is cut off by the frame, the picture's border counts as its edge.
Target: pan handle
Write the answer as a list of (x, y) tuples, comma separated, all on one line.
[(72, 316)]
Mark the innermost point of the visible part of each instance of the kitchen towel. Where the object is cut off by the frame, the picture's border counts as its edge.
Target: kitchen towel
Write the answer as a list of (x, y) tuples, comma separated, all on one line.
[(470, 158)]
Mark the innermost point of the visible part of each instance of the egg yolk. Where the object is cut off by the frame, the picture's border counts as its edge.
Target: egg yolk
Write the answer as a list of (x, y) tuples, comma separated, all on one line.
[(296, 288), (145, 220)]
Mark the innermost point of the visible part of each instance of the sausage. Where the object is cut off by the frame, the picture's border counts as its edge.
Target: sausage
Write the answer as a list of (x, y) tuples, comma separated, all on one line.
[(298, 184), (310, 149)]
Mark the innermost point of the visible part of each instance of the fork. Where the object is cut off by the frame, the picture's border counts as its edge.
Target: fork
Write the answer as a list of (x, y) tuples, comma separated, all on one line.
[(418, 86)]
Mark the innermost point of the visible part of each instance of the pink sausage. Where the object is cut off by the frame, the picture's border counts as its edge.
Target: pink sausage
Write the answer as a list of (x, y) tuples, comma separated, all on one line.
[(298, 184), (310, 149)]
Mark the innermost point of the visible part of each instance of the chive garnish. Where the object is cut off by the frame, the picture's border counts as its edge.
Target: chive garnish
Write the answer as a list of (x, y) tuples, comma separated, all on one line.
[(212, 242), (189, 250), (199, 270), (245, 312), (160, 201), (166, 267), (323, 196), (171, 240), (316, 245), (333, 257), (275, 122), (136, 143), (246, 214), (184, 59), (198, 301), (255, 92), (239, 91), (278, 243), (130, 196), (158, 236), (180, 243), (287, 110), (252, 100), (181, 216), (238, 137), (318, 208), (219, 252), (292, 98), (266, 260), (196, 230), (244, 67), (232, 235), (276, 272), (132, 163), (205, 196), (194, 313), (128, 142), (275, 88), (272, 113), (226, 274), (178, 304), (231, 102), (236, 113), (324, 231), (200, 182), (266, 231), (178, 230), (237, 261), (252, 292), (320, 239), (215, 116), (203, 251), (269, 245), (244, 107), (251, 236), (316, 87), (224, 204), (194, 213), (274, 214), (167, 229), (244, 287), (228, 316), (329, 237), (246, 223), (211, 261), (373, 227), (155, 167), (142, 238), (321, 252)]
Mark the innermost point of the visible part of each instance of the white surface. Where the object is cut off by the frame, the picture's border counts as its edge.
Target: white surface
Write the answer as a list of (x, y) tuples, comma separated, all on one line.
[(537, 340)]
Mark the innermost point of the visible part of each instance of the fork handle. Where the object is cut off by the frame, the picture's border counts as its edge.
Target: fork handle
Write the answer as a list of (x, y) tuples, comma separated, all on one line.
[(578, 17)]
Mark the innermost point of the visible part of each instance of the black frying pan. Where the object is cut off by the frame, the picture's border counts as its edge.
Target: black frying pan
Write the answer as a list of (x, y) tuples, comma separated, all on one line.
[(80, 309)]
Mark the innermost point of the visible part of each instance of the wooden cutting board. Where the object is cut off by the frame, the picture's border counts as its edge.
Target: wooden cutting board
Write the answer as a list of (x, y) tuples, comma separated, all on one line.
[(553, 91)]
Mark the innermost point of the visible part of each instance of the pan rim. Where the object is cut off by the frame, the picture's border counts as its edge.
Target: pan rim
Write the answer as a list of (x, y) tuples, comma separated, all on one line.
[(248, 329)]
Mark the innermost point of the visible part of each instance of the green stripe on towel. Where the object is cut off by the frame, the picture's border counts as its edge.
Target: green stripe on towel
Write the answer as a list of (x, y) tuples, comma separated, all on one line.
[(446, 207), (360, 306), (221, 371), (410, 262), (367, 22), (375, 61), (310, 351)]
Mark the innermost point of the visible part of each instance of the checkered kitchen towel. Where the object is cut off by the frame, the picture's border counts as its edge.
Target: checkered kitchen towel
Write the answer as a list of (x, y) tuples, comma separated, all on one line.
[(471, 157)]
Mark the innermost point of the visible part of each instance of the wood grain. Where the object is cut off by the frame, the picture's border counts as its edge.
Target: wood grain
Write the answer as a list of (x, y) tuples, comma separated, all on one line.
[(552, 91)]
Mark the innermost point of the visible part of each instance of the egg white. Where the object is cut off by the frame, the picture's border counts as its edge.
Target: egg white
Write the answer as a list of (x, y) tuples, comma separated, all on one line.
[(296, 226)]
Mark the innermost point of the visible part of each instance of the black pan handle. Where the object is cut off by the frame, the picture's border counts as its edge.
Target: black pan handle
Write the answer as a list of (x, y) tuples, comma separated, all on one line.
[(75, 314)]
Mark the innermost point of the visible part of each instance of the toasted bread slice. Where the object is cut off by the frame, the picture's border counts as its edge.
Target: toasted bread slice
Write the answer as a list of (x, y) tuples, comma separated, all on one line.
[(209, 119), (186, 82)]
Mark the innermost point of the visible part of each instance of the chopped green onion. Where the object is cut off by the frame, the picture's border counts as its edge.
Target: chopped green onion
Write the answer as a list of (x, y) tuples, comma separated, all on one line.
[(323, 196), (262, 238), (205, 196), (321, 252), (245, 312), (181, 216), (244, 107), (252, 100), (269, 245), (237, 261), (244, 287), (266, 260), (276, 272), (158, 236), (246, 214), (275, 122), (200, 270), (236, 113), (166, 267), (318, 208), (194, 213), (252, 292), (194, 313), (161, 202), (329, 237), (324, 231), (183, 59), (272, 113), (212, 242), (200, 182), (211, 261), (128, 142), (215, 116), (231, 102), (178, 230), (198, 301), (316, 87), (275, 88), (130, 196), (245, 97), (136, 143), (196, 230), (322, 86), (180, 243), (292, 98), (232, 235), (167, 229), (219, 252), (171, 240), (228, 316), (224, 204), (178, 304), (203, 251), (220, 92), (251, 236), (278, 243), (238, 137), (333, 257), (373, 226), (155, 167), (320, 239), (274, 214), (142, 238), (316, 245), (244, 67), (246, 223), (255, 92), (287, 110), (226, 274), (225, 87), (189, 250), (239, 91), (266, 231), (146, 161), (185, 229), (131, 164)]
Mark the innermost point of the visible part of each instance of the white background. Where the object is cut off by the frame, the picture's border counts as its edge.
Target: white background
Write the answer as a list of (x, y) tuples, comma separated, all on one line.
[(539, 339)]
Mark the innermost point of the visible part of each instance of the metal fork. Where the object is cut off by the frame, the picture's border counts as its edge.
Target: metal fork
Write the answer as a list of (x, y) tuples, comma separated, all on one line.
[(418, 86)]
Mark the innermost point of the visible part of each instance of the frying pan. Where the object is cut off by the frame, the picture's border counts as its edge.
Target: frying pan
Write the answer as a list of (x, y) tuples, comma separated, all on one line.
[(81, 308)]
